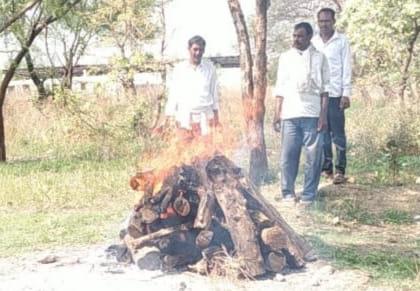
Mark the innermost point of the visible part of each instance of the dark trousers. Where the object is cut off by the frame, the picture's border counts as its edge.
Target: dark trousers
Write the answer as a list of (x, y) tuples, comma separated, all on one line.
[(335, 135)]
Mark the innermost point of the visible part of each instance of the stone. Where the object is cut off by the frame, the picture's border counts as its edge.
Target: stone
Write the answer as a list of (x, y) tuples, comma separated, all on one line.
[(148, 258), (48, 259), (280, 278)]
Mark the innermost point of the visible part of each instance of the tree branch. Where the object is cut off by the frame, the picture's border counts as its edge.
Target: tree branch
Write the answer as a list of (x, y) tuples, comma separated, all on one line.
[(18, 15)]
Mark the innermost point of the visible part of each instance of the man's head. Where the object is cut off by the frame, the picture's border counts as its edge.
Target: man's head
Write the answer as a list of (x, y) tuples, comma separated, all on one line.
[(326, 21), (302, 35), (196, 47)]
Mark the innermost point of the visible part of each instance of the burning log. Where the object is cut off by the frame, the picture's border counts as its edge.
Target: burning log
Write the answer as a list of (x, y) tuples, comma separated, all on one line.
[(200, 214), (136, 243)]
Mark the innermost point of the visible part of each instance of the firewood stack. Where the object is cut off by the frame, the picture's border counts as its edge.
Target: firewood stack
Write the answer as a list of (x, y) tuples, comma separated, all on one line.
[(203, 217)]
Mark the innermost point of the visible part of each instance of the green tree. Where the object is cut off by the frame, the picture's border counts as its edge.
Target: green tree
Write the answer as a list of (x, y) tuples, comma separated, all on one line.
[(12, 11), (38, 17), (128, 25), (73, 32), (384, 36)]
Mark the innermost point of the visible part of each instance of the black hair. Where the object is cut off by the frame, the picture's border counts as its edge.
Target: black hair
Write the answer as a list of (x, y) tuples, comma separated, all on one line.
[(306, 26), (327, 10), (196, 40)]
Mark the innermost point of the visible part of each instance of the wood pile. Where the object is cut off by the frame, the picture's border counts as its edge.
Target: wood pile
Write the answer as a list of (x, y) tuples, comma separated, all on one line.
[(208, 217)]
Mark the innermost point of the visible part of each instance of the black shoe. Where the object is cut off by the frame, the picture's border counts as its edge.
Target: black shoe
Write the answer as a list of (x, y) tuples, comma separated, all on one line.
[(327, 175)]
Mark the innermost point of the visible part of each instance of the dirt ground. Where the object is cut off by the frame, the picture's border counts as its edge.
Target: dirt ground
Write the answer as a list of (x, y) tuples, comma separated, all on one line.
[(89, 268)]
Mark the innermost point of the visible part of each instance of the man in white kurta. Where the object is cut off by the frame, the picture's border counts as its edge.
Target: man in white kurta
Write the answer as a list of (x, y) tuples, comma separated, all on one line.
[(193, 101), (302, 97), (336, 48)]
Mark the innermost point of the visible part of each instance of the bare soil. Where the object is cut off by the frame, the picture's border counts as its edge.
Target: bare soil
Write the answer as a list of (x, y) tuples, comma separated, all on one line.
[(89, 269)]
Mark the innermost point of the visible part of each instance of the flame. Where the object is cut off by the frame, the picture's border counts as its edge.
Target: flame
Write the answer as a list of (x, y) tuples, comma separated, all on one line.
[(179, 149)]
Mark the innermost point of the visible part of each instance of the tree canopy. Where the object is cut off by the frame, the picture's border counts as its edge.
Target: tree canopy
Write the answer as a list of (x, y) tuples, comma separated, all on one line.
[(384, 36)]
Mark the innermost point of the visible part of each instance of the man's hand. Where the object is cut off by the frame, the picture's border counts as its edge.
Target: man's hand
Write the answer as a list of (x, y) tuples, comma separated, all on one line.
[(163, 123), (344, 103), (215, 122), (157, 130), (322, 122), (277, 124)]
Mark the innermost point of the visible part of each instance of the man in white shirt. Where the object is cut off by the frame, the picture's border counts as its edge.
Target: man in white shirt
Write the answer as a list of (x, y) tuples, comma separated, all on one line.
[(302, 98), (336, 48), (193, 101)]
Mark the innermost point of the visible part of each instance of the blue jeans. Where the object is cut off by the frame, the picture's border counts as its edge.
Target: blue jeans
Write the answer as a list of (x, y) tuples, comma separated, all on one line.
[(337, 136), (298, 132)]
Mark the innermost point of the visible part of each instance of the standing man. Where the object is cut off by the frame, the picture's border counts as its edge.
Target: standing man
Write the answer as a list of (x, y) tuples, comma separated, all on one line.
[(193, 102), (336, 48), (301, 112)]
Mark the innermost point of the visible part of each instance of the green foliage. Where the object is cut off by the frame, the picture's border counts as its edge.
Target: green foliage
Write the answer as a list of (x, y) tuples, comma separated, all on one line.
[(380, 32), (106, 123), (384, 139), (127, 25)]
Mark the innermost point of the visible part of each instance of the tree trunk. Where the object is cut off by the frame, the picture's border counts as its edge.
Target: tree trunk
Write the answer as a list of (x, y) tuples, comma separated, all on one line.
[(2, 137), (253, 90), (5, 83), (9, 76), (258, 162), (339, 5), (410, 49), (67, 82), (163, 73), (39, 83)]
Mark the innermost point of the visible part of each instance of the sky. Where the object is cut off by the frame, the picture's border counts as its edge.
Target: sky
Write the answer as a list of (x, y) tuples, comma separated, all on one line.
[(209, 18), (185, 18)]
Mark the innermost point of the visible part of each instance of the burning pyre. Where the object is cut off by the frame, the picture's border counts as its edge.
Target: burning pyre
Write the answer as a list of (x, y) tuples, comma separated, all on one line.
[(196, 210)]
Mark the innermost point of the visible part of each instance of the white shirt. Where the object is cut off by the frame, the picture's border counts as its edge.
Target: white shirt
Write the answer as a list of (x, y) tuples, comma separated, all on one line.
[(301, 78), (193, 94), (337, 51)]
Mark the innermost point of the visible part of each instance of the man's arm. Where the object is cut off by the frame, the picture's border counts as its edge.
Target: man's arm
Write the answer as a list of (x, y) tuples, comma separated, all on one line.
[(346, 61), (325, 71), (277, 114), (279, 91), (167, 119), (215, 95), (322, 121)]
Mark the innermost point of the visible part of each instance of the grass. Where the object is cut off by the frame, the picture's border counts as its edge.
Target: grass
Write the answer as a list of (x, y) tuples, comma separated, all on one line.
[(396, 216), (385, 264), (49, 203), (353, 210), (29, 231), (68, 184)]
